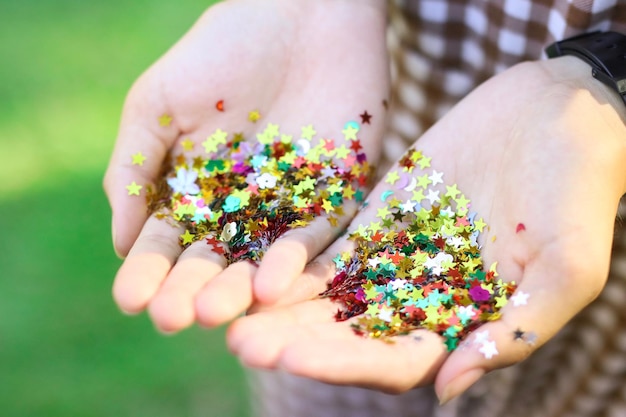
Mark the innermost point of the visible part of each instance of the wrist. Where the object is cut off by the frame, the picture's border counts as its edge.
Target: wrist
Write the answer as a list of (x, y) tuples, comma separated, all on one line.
[(592, 100), (575, 72)]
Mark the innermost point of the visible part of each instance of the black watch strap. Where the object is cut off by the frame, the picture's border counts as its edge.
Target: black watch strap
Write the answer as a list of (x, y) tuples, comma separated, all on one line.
[(604, 51)]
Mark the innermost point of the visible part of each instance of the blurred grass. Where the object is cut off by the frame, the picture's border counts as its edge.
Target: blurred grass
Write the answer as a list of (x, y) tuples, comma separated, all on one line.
[(66, 66), (65, 350)]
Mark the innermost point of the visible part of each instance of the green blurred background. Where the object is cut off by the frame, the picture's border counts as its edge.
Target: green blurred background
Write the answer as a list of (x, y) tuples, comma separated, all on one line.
[(65, 350)]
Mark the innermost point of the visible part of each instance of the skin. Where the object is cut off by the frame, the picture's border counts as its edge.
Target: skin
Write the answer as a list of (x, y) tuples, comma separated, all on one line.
[(542, 143), (297, 62)]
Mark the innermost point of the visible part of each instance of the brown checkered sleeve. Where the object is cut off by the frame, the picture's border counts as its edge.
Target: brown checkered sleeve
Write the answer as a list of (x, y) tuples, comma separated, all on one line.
[(443, 49)]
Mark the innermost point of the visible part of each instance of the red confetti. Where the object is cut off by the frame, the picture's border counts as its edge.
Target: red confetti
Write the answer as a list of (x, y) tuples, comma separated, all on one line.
[(215, 245), (355, 145), (220, 105), (520, 227)]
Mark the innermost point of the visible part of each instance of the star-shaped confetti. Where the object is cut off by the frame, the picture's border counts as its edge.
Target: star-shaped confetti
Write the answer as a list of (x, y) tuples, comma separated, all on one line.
[(520, 298), (213, 142), (247, 191), (308, 132), (138, 159), (419, 264), (365, 117), (187, 144), (349, 132), (187, 237), (254, 116), (133, 188), (165, 120), (488, 349)]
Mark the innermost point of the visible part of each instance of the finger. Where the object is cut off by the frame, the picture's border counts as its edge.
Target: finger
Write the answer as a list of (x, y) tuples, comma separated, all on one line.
[(317, 273), (148, 263), (305, 340), (312, 281), (543, 302), (258, 339), (343, 358), (287, 257), (144, 132), (173, 307), (307, 312), (309, 285), (226, 295)]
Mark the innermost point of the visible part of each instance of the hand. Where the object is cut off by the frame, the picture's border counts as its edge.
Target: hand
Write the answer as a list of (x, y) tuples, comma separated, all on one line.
[(539, 150), (297, 63)]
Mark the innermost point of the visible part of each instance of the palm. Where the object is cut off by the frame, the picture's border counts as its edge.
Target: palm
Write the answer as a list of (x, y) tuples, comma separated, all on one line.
[(295, 69), (522, 154), (284, 60)]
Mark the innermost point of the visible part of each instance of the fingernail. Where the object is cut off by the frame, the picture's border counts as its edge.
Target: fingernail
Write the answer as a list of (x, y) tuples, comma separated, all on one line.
[(113, 237), (164, 332), (459, 385), (127, 312)]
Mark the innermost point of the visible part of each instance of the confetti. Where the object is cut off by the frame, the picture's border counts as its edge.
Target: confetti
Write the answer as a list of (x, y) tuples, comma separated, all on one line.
[(530, 338), (254, 116), (520, 298), (308, 132), (184, 182), (220, 105), (520, 227), (138, 159), (418, 265), (385, 195), (246, 193), (216, 245), (187, 144), (186, 237), (133, 188), (165, 120), (481, 337), (488, 349)]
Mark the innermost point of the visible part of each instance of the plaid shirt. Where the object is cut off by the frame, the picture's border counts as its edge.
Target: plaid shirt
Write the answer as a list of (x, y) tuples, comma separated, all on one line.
[(443, 49)]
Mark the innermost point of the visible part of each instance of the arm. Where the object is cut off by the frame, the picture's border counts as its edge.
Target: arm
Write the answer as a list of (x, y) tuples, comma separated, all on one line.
[(543, 145)]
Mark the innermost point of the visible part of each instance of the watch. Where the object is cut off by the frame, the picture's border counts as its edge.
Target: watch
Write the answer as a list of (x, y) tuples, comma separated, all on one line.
[(604, 51)]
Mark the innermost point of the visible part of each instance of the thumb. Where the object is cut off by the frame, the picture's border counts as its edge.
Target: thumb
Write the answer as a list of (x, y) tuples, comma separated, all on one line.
[(545, 300), (145, 135)]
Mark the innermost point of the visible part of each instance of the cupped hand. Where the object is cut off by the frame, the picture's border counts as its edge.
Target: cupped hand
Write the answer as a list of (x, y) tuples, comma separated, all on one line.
[(296, 63), (539, 151)]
